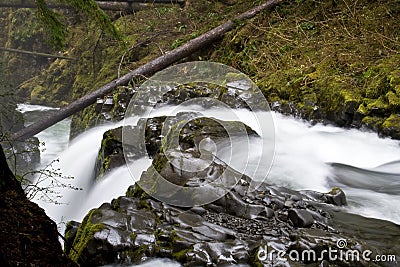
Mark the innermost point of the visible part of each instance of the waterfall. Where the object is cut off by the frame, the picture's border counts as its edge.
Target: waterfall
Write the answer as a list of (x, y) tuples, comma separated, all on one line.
[(315, 157)]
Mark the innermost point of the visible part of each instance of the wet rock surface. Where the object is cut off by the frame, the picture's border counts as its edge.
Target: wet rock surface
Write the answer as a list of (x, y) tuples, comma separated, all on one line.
[(193, 130), (240, 227), (230, 230)]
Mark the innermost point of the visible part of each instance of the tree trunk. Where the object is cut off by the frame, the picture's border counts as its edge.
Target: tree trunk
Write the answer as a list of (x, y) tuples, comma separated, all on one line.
[(34, 53), (118, 5), (146, 69)]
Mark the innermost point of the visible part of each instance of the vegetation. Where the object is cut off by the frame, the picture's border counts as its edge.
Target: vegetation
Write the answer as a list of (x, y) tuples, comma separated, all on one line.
[(333, 60), (57, 29), (84, 235), (328, 59), (45, 183)]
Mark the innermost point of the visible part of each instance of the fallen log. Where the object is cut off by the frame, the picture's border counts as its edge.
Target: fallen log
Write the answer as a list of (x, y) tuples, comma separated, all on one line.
[(146, 69), (5, 49), (127, 5)]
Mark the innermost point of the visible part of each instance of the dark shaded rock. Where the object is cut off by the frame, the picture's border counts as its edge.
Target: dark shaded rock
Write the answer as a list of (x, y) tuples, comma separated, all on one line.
[(228, 95), (336, 197), (300, 218), (111, 152), (27, 236)]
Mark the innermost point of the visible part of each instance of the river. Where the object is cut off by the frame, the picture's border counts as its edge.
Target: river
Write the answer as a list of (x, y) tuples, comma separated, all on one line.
[(306, 157)]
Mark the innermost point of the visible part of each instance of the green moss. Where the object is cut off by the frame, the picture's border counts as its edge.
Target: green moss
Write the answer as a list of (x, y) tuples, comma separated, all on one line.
[(116, 204), (135, 191), (335, 190), (85, 233), (38, 94), (363, 109), (393, 100), (144, 204), (379, 105), (254, 258), (392, 125), (392, 121), (159, 161), (373, 122), (137, 253), (182, 256), (133, 237)]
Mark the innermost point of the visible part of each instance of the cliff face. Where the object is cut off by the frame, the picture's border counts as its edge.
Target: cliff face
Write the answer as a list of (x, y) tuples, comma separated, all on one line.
[(21, 30)]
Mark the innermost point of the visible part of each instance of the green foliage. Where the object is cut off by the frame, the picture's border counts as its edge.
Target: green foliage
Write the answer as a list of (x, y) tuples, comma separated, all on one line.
[(57, 29), (92, 10), (317, 64)]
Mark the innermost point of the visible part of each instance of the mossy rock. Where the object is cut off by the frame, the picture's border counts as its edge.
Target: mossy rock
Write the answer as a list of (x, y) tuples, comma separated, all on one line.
[(85, 233), (391, 126), (110, 155), (373, 123), (393, 100), (378, 106)]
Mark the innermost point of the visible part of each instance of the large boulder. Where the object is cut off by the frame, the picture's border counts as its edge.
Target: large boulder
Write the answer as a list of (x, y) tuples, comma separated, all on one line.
[(152, 130)]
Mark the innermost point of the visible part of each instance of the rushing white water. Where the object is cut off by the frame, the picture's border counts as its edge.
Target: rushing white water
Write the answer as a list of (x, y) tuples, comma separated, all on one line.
[(303, 157), (54, 139), (78, 161), (111, 186)]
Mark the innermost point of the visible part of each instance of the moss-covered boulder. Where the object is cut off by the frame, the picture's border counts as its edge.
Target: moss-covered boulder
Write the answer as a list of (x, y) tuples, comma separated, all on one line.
[(391, 126), (111, 152)]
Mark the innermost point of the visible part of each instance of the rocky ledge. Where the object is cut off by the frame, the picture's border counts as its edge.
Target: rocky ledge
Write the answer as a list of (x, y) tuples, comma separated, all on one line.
[(243, 226)]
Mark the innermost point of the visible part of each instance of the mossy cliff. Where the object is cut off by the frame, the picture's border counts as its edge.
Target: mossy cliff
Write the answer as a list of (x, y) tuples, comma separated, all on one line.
[(21, 30), (331, 61)]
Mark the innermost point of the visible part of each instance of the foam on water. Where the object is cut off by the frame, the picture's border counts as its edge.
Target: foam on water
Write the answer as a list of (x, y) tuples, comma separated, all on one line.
[(302, 160)]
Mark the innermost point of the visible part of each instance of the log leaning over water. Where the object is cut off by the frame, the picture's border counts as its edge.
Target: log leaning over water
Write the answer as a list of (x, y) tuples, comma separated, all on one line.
[(146, 69)]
